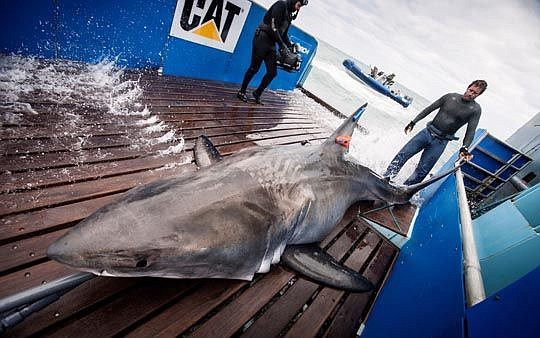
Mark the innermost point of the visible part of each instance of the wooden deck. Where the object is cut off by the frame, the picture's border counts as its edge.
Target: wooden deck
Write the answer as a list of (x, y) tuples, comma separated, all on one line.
[(60, 165), (397, 218)]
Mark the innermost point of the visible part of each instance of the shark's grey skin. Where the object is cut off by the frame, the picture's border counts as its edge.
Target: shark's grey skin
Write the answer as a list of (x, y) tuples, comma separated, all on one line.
[(232, 218)]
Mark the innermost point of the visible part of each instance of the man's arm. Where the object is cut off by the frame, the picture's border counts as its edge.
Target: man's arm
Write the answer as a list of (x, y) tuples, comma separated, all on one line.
[(285, 37), (435, 105), (277, 16), (425, 112), (471, 129)]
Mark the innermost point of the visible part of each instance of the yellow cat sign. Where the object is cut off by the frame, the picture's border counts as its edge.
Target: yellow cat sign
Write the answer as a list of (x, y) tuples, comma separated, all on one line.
[(213, 23)]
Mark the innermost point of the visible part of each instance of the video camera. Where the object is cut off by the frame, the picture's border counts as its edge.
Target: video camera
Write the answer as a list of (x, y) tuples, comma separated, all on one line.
[(289, 59)]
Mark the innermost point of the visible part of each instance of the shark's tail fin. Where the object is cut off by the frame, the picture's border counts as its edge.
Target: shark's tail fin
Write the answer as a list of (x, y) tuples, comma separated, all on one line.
[(413, 189), (344, 132)]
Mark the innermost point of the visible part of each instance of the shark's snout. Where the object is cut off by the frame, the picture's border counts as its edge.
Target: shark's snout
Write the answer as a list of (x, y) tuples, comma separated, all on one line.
[(78, 250), (62, 251)]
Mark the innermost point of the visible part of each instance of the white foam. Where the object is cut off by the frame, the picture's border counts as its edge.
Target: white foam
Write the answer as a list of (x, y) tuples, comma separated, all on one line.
[(161, 126), (97, 85), (151, 120), (167, 137), (174, 149)]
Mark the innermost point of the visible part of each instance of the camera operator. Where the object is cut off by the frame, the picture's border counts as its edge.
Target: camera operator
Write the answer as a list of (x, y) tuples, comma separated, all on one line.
[(272, 30)]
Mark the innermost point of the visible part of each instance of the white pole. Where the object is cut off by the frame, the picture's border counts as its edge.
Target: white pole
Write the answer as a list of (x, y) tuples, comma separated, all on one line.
[(474, 285)]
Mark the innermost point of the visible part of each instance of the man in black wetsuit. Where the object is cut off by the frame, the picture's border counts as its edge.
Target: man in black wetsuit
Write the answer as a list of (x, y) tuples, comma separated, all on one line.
[(455, 110), (273, 29)]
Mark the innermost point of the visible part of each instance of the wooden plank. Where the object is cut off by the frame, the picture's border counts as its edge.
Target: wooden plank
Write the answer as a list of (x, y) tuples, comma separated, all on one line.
[(19, 226), (227, 91), (185, 313), (397, 218), (134, 305), (85, 172), (78, 301), (231, 112), (26, 251), (353, 311), (231, 318), (187, 129), (195, 103), (86, 118), (275, 319), (32, 276), (22, 163), (160, 93), (29, 147), (309, 324), (33, 200), (225, 104), (46, 132)]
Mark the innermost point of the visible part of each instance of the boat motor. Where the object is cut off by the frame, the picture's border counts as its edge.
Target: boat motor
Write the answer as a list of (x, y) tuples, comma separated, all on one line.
[(289, 59)]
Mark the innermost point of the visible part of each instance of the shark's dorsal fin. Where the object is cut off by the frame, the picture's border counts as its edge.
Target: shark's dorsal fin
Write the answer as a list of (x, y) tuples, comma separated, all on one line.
[(342, 135), (316, 264), (205, 152)]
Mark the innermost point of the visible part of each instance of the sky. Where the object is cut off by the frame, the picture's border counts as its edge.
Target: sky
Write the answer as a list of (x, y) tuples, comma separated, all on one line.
[(436, 47)]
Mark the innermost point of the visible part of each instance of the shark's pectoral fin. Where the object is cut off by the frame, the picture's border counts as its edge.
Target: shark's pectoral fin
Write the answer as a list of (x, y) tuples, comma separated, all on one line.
[(205, 152), (316, 264)]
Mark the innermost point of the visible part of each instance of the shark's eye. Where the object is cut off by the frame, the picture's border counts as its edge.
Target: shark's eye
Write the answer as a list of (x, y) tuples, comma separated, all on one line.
[(142, 263)]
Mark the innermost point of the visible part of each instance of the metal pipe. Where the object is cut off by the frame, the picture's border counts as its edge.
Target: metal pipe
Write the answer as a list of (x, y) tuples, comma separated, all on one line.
[(518, 183), (474, 285), (14, 318), (42, 291)]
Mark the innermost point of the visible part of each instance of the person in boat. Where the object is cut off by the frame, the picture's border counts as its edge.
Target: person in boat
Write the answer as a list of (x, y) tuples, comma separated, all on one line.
[(374, 72), (455, 110), (380, 76), (271, 31), (389, 80)]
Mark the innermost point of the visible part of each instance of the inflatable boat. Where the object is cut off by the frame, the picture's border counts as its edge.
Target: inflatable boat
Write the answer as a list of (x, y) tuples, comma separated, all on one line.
[(405, 101)]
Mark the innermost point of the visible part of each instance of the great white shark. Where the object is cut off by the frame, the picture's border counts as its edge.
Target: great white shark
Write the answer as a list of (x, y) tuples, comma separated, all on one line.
[(235, 216)]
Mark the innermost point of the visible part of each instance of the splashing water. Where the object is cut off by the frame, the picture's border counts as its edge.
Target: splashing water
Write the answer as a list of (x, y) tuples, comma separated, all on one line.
[(72, 91), (27, 80)]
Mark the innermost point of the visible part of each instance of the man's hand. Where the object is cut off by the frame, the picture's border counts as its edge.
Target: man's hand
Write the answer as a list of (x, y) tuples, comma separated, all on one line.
[(464, 154), (284, 50), (409, 127)]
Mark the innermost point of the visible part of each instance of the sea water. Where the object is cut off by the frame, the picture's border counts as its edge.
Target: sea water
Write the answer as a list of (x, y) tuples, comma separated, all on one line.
[(384, 119)]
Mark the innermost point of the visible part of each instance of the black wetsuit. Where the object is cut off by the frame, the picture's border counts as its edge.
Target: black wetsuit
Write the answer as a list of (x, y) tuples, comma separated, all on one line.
[(273, 29), (453, 113)]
